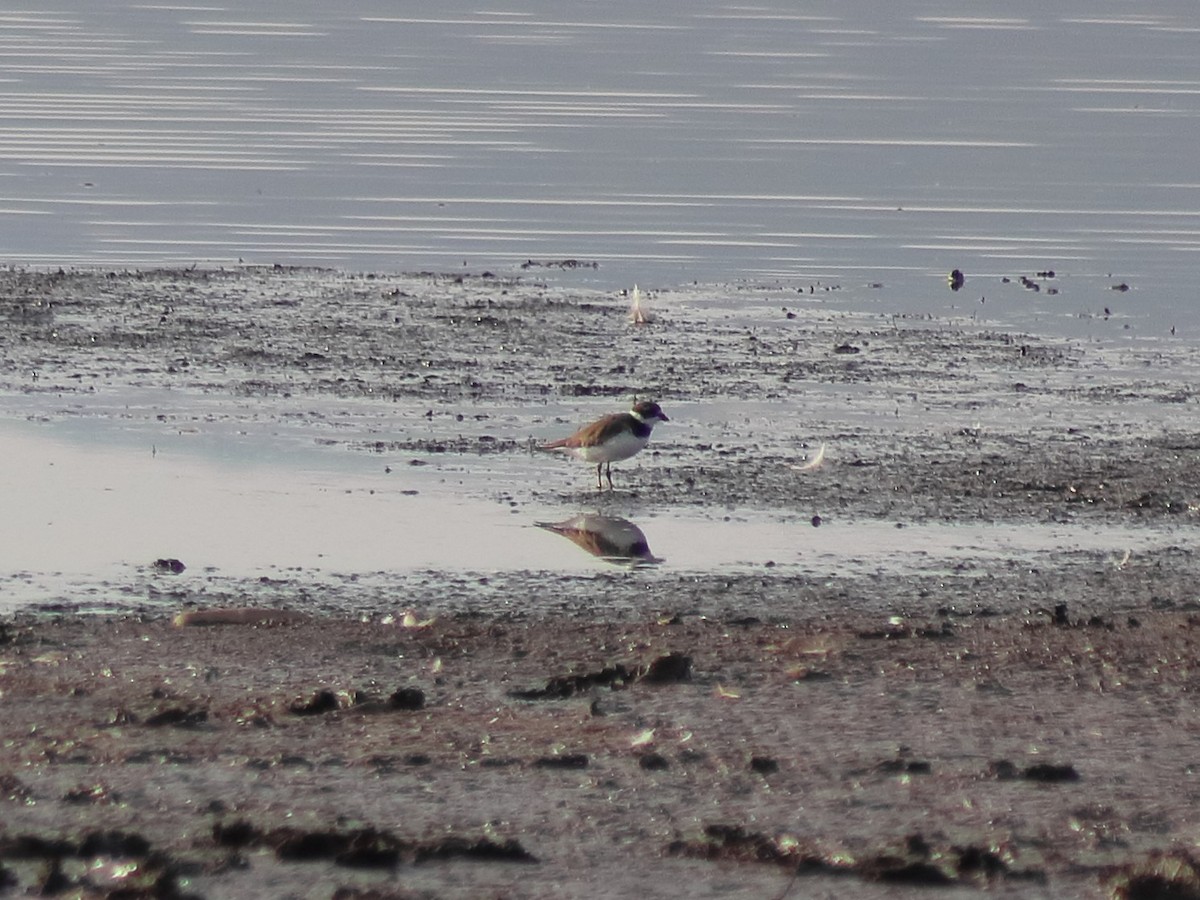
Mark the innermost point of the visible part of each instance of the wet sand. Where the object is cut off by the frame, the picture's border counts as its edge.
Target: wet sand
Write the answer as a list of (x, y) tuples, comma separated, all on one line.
[(1016, 723)]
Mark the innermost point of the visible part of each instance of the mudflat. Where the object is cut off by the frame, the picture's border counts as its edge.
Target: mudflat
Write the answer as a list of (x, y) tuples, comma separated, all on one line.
[(1018, 723)]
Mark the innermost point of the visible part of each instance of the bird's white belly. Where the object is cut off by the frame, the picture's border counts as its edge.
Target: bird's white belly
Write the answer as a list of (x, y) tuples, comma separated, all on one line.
[(621, 447)]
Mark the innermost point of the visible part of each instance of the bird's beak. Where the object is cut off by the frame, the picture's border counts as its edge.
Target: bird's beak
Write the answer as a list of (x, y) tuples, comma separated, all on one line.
[(663, 416)]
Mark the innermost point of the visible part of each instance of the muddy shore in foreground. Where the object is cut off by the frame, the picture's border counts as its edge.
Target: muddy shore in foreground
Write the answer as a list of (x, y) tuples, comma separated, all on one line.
[(1021, 727), (470, 757)]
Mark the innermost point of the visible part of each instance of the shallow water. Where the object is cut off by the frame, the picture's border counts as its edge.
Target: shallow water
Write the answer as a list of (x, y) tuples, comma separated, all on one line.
[(868, 147), (90, 506)]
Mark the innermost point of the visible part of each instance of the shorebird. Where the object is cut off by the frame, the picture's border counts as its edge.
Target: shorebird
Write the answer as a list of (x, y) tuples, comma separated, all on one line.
[(613, 438)]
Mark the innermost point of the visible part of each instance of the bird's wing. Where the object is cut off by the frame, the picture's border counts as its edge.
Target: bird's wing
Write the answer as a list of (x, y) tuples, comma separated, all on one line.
[(589, 435)]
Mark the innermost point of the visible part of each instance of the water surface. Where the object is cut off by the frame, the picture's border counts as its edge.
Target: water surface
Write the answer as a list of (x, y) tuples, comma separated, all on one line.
[(90, 509), (866, 146)]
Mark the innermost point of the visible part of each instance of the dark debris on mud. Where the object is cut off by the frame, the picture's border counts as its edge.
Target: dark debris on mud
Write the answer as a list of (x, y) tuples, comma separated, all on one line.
[(912, 861)]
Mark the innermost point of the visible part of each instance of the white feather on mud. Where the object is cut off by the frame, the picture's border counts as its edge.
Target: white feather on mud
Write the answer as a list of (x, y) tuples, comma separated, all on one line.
[(812, 463), (638, 314)]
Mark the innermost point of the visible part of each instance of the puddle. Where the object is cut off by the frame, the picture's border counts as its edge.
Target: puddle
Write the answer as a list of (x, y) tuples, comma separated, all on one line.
[(92, 504), (84, 507)]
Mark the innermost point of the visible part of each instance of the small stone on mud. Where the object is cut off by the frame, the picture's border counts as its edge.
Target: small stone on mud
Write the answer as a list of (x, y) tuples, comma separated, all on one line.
[(407, 698), (886, 870), (308, 845), (235, 834), (321, 702), (653, 762), (566, 761), (764, 765), (670, 668), (1051, 773), (905, 767)]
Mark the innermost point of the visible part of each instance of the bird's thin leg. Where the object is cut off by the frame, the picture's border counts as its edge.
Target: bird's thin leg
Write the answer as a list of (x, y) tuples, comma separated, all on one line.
[(599, 483), (608, 472)]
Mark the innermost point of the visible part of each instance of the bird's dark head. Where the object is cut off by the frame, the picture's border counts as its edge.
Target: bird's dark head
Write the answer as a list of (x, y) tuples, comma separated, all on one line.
[(649, 411)]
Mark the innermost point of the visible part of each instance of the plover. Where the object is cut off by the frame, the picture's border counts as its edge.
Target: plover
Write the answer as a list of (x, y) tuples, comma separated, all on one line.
[(613, 438)]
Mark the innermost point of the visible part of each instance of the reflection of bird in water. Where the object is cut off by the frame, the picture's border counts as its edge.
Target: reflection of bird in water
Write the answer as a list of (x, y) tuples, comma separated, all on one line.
[(611, 538), (613, 438)]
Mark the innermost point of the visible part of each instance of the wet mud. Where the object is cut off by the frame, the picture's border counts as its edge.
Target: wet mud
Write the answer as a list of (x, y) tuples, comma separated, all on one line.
[(997, 724), (926, 419), (1025, 756)]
